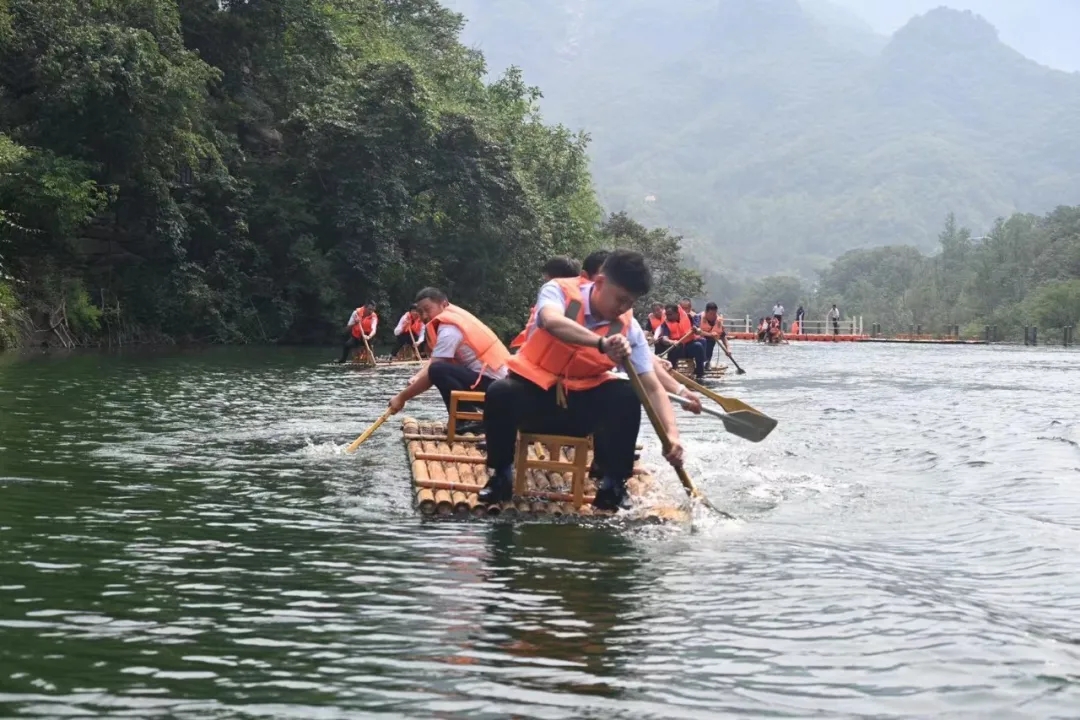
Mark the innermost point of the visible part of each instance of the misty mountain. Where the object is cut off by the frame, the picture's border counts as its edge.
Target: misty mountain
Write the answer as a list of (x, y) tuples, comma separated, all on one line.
[(1044, 30), (776, 134)]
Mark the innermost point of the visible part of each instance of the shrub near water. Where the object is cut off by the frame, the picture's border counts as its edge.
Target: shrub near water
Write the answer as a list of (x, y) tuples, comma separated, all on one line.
[(8, 308)]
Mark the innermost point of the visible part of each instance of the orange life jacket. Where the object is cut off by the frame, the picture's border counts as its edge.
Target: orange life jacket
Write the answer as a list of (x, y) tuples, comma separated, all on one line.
[(524, 334), (795, 328), (415, 325), (714, 326), (676, 330), (477, 336), (655, 322), (364, 323), (545, 361)]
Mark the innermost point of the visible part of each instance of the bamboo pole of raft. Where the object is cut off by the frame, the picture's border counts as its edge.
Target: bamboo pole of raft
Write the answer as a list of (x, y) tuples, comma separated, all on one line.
[(425, 497), (440, 486)]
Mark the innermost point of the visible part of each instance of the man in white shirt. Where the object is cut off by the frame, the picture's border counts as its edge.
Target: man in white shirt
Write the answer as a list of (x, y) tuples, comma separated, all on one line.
[(362, 325), (465, 354), (559, 382), (778, 313), (409, 329)]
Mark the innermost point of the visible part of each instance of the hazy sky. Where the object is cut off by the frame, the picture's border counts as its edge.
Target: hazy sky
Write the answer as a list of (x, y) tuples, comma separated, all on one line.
[(1045, 30)]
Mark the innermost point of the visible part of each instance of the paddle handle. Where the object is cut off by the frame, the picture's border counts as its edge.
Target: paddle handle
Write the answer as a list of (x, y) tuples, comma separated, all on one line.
[(677, 342), (367, 433), (698, 387), (415, 346), (734, 362), (658, 426), (685, 402)]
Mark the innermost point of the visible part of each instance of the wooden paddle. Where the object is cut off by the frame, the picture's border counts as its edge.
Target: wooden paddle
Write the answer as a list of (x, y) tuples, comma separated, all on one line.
[(739, 370), (677, 342), (748, 416), (415, 346), (367, 433), (665, 441), (370, 355)]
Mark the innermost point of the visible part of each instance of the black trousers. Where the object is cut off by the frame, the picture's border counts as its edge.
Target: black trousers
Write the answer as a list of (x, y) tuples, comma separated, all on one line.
[(694, 350), (610, 412), (449, 376), (350, 343)]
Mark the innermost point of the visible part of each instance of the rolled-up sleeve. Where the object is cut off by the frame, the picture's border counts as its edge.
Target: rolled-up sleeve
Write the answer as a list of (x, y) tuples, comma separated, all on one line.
[(550, 294), (640, 354)]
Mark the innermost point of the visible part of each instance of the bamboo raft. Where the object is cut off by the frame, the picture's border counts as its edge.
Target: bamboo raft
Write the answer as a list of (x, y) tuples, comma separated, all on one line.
[(447, 475), (403, 358), (686, 367)]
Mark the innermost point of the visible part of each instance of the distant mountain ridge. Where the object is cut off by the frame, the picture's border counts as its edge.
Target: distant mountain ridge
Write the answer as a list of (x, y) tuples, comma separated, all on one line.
[(756, 129)]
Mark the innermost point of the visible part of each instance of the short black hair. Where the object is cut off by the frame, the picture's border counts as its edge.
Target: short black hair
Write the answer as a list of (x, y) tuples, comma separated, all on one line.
[(627, 269), (561, 267), (712, 306), (686, 300), (430, 293), (370, 304), (594, 262), (672, 308)]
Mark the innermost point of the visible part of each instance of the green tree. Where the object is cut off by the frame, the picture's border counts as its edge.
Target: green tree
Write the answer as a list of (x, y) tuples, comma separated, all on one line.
[(672, 281)]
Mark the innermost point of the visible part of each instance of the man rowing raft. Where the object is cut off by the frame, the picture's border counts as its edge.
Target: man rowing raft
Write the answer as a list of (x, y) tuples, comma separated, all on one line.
[(409, 331), (362, 326), (560, 382), (465, 354)]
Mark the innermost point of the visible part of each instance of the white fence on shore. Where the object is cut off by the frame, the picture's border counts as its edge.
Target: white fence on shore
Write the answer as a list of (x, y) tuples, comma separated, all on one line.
[(844, 326)]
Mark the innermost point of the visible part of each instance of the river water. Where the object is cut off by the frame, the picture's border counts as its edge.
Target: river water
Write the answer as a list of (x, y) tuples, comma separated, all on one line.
[(182, 536)]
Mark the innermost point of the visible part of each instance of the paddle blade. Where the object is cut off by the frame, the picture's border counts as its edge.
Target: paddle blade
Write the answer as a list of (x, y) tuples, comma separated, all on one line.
[(748, 425)]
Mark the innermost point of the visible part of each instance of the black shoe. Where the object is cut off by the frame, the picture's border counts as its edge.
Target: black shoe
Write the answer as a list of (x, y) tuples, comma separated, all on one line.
[(499, 488), (611, 495), (471, 426)]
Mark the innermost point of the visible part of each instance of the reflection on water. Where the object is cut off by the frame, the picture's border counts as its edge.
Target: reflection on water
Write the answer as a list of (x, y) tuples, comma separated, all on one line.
[(181, 536)]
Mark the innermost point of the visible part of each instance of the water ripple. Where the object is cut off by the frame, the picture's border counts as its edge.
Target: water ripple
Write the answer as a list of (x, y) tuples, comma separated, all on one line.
[(182, 536)]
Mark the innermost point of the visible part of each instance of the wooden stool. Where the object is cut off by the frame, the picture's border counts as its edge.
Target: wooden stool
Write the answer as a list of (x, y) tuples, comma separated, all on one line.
[(578, 467), (462, 396)]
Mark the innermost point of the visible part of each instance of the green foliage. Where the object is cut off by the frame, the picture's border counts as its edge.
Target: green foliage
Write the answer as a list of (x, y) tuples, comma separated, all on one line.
[(1054, 305), (9, 306), (663, 255), (1026, 271), (252, 171), (758, 298)]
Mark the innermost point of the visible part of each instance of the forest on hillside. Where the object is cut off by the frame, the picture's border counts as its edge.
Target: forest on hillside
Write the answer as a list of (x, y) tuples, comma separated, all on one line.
[(1024, 272), (776, 136), (251, 172)]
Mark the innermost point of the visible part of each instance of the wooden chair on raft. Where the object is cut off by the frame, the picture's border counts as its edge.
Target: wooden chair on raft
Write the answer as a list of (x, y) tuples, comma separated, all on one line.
[(551, 453)]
